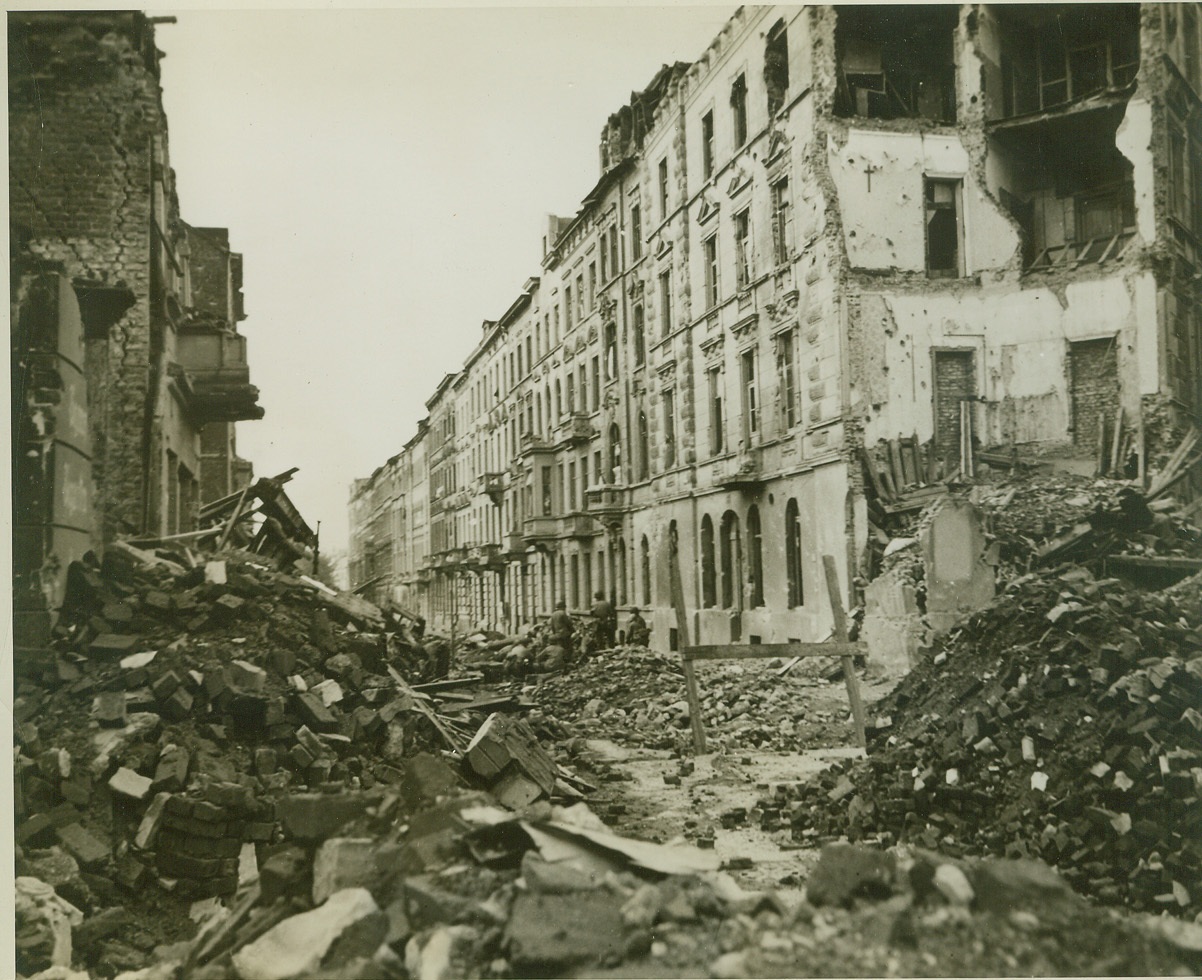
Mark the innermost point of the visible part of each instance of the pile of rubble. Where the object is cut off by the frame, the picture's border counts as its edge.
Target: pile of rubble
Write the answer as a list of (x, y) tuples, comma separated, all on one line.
[(1060, 722), (636, 697)]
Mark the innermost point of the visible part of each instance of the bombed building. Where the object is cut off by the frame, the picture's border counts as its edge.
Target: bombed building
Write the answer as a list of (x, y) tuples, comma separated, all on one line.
[(129, 372), (846, 254)]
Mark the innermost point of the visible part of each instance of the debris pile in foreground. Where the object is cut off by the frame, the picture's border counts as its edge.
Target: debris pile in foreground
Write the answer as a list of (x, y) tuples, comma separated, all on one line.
[(1061, 722)]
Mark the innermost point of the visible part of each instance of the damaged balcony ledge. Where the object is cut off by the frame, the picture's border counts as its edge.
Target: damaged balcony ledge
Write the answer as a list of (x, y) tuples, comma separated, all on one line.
[(1111, 100), (214, 397)]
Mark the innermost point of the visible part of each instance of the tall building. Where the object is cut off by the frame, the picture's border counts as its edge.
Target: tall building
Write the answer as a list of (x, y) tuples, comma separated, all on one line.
[(129, 371), (977, 226)]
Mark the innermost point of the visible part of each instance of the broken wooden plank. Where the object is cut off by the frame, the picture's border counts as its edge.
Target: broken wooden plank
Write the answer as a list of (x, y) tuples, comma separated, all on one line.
[(873, 477), (765, 651), (433, 687), (899, 473), (420, 706), (682, 634), (1173, 563), (849, 670)]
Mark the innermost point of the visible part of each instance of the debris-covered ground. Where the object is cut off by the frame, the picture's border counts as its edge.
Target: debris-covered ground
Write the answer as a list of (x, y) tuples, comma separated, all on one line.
[(226, 769)]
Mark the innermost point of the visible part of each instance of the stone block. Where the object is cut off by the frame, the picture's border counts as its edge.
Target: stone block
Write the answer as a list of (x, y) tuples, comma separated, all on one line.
[(152, 821), (171, 772), (89, 850), (344, 862), (285, 873), (108, 709), (129, 784), (427, 777), (282, 661), (553, 877), (166, 684), (1006, 886), (317, 816), (247, 677), (314, 713), (112, 645), (178, 865), (445, 953), (559, 932), (178, 707), (298, 945)]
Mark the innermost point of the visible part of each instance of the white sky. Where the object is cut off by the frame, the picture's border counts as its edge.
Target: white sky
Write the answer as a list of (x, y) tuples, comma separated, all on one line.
[(384, 173)]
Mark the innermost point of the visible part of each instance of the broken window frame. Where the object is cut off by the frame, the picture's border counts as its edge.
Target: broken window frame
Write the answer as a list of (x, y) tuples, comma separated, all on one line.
[(709, 252), (709, 570), (787, 376), (738, 104), (750, 396), (707, 145), (644, 447), (742, 226), (717, 422), (663, 189), (755, 558), (665, 302), (782, 221), (776, 67), (933, 208), (640, 339), (668, 407)]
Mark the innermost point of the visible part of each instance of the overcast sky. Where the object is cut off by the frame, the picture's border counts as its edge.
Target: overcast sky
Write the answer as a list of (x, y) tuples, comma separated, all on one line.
[(384, 174)]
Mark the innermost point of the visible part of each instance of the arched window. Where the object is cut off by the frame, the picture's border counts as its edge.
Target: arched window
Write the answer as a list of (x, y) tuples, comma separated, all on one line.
[(644, 448), (645, 562), (755, 556), (622, 596), (729, 547), (709, 583), (793, 554), (615, 454)]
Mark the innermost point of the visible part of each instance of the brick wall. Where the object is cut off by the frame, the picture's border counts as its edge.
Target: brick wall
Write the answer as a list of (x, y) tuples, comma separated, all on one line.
[(953, 382), (84, 114), (1094, 389)]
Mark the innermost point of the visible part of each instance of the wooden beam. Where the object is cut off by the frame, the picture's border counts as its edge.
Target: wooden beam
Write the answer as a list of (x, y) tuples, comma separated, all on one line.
[(899, 473), (849, 669), (765, 651), (682, 640)]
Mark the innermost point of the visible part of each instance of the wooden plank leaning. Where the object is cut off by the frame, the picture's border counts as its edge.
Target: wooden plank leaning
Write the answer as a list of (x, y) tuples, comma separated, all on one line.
[(682, 634), (849, 667)]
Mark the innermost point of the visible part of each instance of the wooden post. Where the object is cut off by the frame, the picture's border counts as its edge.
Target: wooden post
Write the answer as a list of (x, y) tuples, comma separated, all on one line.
[(229, 527), (682, 641), (849, 668)]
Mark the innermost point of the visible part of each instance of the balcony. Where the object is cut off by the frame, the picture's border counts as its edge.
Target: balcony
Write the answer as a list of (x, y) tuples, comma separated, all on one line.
[(485, 555), (742, 471), (214, 377), (513, 545), (607, 500), (493, 484), (458, 499), (576, 430), (530, 442), (539, 529), (578, 526)]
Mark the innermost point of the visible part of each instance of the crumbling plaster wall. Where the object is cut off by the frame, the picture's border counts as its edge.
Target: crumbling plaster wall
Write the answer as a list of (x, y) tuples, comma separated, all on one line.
[(879, 180), (1021, 338), (1019, 327)]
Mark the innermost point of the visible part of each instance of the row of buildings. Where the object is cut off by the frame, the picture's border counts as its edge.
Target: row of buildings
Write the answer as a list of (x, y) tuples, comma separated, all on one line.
[(840, 225), (128, 370)]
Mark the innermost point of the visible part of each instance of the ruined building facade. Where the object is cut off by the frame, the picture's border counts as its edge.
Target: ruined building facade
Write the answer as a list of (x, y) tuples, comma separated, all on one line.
[(971, 225), (128, 368)]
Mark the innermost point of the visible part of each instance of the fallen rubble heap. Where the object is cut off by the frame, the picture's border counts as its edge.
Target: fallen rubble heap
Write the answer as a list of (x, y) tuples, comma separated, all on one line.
[(1061, 722)]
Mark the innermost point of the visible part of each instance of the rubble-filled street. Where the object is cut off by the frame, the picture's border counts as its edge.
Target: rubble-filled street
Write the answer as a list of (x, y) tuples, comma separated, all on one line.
[(227, 768), (781, 558)]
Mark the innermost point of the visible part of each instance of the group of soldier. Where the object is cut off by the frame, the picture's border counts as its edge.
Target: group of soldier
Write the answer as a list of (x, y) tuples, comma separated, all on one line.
[(561, 630)]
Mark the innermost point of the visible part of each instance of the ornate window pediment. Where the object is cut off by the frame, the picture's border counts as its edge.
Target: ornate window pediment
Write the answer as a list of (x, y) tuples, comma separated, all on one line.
[(744, 326), (662, 246), (708, 209), (784, 307), (711, 349), (738, 180), (778, 143), (666, 369)]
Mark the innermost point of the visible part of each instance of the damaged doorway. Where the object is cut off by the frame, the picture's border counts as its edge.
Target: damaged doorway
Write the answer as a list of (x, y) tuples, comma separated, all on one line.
[(1093, 388), (954, 382)]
